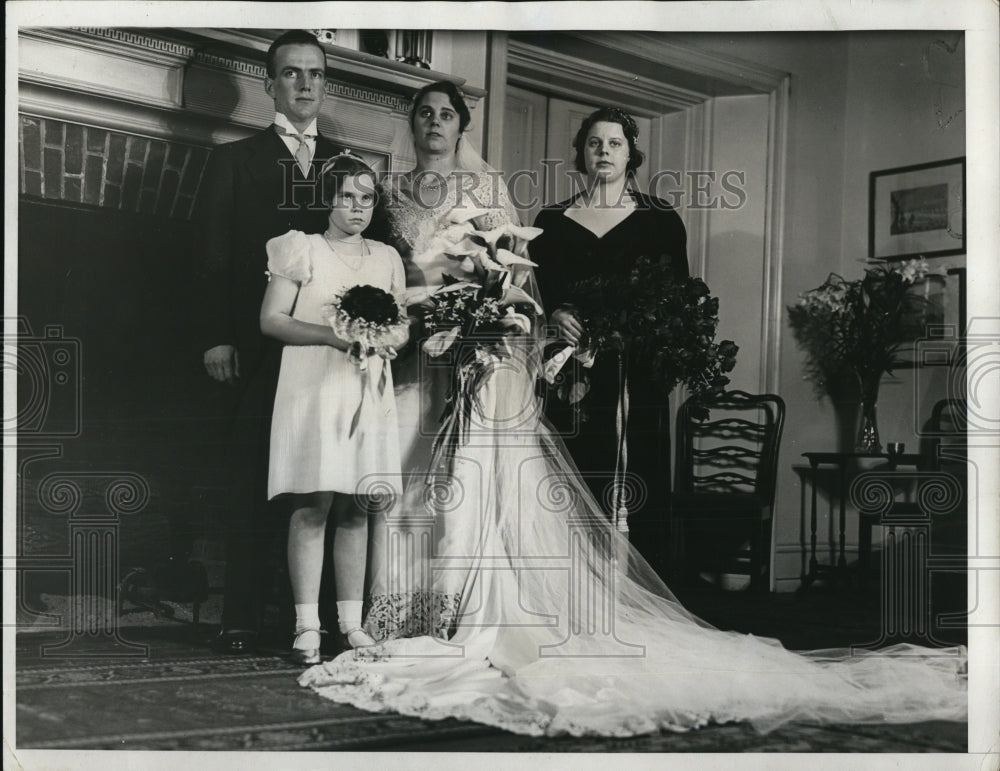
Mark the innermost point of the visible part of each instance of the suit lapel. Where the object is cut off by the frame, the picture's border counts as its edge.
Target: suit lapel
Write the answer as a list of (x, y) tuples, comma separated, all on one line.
[(265, 153), (326, 144), (325, 149)]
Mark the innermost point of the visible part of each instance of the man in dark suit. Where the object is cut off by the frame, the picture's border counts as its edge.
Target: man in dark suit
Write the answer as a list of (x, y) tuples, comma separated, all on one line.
[(253, 190)]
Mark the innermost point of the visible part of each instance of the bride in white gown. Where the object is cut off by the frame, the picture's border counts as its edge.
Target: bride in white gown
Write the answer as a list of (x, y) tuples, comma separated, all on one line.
[(501, 594)]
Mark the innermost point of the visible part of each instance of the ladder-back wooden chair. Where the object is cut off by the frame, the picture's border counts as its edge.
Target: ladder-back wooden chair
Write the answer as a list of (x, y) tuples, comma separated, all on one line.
[(725, 475)]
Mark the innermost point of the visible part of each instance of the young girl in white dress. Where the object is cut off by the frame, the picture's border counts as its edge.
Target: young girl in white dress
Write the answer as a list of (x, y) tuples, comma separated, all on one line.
[(316, 456)]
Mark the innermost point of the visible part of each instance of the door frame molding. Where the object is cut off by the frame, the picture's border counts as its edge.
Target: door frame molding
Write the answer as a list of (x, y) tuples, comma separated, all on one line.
[(533, 67), (727, 75), (559, 74), (497, 46)]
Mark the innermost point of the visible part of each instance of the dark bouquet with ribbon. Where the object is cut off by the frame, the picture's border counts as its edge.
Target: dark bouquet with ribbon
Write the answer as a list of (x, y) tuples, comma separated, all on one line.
[(657, 328), (370, 320), (656, 324)]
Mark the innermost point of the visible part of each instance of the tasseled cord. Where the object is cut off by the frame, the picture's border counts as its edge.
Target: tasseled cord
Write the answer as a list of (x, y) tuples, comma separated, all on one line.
[(620, 510)]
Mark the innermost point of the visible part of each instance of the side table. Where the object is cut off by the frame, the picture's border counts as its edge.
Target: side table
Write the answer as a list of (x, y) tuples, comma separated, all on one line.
[(847, 465)]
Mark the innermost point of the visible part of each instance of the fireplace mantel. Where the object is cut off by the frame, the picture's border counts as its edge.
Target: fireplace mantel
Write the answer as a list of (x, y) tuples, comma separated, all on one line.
[(345, 65), (204, 86)]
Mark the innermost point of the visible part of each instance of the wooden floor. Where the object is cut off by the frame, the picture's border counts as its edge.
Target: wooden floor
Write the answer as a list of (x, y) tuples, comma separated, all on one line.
[(160, 687)]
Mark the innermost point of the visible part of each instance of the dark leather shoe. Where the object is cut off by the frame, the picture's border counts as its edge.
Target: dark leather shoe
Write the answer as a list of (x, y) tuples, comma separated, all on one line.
[(235, 643), (303, 657)]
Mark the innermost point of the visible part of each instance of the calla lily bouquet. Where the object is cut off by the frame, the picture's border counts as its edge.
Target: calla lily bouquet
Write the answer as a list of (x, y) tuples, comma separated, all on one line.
[(482, 311), (476, 319)]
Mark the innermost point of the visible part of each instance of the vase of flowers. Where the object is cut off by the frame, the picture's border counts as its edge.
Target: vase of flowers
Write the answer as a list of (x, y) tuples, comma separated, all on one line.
[(851, 332), (867, 439)]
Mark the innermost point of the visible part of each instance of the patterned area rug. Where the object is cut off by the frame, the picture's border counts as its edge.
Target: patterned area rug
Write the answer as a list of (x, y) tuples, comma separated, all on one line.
[(181, 697), (245, 704)]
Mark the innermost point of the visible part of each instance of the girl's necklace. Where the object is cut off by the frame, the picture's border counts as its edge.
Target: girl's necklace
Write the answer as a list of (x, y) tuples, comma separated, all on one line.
[(343, 258)]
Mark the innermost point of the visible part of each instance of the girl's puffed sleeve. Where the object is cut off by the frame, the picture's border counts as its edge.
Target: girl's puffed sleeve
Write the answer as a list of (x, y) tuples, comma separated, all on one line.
[(288, 256)]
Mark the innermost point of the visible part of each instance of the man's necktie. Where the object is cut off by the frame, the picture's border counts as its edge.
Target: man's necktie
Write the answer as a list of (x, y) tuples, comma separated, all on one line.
[(301, 152)]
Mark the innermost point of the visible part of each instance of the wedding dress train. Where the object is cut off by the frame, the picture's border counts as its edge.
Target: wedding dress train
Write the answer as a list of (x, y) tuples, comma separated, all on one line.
[(554, 634), (504, 596)]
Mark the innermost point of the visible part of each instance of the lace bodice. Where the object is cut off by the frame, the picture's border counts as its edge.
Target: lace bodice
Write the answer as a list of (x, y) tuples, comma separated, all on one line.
[(421, 232)]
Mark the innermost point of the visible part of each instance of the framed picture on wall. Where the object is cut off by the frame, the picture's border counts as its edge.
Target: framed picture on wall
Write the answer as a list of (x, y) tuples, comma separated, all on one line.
[(917, 211)]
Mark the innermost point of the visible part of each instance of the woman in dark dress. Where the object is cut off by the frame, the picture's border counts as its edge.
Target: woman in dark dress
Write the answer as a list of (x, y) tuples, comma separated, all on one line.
[(602, 231)]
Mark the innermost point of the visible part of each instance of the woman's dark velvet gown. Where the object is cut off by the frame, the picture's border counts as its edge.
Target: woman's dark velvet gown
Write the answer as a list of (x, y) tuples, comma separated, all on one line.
[(567, 252)]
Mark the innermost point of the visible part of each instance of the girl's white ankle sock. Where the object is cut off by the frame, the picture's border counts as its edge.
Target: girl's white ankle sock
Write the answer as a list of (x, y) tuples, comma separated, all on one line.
[(307, 616), (348, 615)]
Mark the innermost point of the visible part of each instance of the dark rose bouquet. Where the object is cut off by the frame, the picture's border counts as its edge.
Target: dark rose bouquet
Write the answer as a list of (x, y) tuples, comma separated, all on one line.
[(662, 327), (370, 320), (368, 317), (373, 305)]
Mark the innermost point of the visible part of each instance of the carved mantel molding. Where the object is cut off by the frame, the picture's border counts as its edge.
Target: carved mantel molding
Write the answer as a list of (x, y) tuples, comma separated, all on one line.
[(345, 64), (204, 86), (123, 118)]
